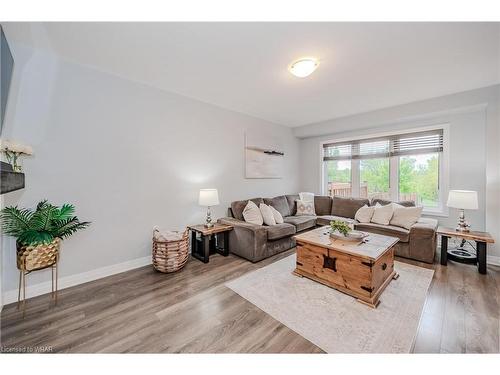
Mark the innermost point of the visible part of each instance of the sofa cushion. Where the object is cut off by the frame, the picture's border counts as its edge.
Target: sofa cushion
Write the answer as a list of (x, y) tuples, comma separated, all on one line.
[(364, 214), (325, 219), (252, 214), (382, 214), (306, 197), (386, 230), (301, 222), (292, 204), (305, 208), (278, 218), (385, 202), (405, 217), (280, 203), (347, 207), (267, 214), (237, 207), (322, 205), (278, 231)]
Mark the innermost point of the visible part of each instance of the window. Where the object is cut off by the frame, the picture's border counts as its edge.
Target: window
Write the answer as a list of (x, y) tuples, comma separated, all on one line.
[(338, 170), (396, 167), (374, 178), (419, 179), (339, 178)]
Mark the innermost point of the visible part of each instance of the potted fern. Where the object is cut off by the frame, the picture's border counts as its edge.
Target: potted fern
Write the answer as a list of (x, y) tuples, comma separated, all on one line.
[(39, 232)]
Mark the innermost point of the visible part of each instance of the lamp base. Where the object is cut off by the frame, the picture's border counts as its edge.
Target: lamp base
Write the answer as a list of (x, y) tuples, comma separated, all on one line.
[(462, 225), (208, 220)]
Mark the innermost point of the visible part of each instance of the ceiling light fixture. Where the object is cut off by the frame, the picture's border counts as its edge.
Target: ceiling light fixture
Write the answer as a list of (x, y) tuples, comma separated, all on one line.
[(304, 67)]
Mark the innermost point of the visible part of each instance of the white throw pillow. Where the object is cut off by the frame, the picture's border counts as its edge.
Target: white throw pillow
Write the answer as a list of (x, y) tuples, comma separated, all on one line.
[(364, 214), (252, 214), (405, 216), (382, 214), (305, 208), (278, 218), (306, 197), (267, 214)]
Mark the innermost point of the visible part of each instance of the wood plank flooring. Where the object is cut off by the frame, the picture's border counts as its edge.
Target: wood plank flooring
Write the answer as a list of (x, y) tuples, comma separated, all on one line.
[(193, 312)]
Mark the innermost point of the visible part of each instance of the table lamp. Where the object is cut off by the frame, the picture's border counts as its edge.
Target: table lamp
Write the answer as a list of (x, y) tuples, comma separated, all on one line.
[(463, 200), (208, 198)]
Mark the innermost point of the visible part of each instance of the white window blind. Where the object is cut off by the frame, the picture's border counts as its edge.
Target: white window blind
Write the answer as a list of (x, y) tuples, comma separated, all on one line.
[(400, 144)]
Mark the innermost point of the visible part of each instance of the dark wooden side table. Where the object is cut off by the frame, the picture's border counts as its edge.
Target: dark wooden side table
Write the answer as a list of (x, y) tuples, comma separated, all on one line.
[(481, 238), (205, 241)]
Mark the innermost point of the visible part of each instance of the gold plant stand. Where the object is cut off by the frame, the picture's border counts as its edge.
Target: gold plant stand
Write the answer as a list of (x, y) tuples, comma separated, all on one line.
[(36, 258)]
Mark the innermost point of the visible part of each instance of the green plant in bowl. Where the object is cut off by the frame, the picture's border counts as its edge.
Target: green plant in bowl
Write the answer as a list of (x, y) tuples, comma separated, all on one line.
[(340, 226)]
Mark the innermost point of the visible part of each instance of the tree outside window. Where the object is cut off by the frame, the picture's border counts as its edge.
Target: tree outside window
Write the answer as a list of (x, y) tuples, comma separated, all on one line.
[(374, 178), (419, 179), (339, 178)]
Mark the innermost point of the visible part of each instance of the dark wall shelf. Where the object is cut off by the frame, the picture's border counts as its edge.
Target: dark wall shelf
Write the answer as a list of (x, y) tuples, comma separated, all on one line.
[(10, 180)]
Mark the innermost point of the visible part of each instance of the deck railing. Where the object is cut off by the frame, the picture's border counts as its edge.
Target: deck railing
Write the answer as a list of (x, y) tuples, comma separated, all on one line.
[(344, 189)]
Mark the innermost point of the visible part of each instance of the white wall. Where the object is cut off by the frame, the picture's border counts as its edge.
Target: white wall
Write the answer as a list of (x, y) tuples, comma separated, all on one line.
[(473, 148), (128, 156)]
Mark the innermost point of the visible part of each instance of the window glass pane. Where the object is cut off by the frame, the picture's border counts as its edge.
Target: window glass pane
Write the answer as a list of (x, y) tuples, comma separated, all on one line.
[(339, 178), (374, 178), (419, 179)]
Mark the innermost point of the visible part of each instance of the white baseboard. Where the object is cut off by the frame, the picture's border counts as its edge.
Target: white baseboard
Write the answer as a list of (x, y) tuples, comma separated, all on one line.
[(65, 282), (494, 260)]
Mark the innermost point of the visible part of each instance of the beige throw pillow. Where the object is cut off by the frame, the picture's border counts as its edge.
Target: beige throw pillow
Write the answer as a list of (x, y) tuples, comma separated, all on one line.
[(382, 214), (405, 216), (306, 197), (305, 208), (267, 214), (364, 214), (252, 214), (278, 218)]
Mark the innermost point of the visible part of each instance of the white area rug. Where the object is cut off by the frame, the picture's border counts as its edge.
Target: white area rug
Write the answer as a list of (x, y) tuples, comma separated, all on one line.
[(334, 321)]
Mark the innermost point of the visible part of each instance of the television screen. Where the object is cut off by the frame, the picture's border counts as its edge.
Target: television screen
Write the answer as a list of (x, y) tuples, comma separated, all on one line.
[(6, 68)]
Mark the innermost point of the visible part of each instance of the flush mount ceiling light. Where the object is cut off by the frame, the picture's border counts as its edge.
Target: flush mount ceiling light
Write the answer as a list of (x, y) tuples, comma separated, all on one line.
[(303, 67)]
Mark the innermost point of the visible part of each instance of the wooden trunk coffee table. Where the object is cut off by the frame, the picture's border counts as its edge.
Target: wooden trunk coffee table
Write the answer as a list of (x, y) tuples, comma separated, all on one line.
[(360, 269)]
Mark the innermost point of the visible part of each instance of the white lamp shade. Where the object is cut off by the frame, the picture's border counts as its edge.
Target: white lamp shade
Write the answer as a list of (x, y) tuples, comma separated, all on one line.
[(463, 199), (208, 197)]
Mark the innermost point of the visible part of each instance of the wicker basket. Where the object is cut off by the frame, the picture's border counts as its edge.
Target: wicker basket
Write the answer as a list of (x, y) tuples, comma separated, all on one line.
[(31, 258), (170, 256)]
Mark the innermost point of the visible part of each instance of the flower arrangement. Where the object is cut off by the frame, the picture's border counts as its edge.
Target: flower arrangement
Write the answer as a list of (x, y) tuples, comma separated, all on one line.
[(340, 226), (12, 151)]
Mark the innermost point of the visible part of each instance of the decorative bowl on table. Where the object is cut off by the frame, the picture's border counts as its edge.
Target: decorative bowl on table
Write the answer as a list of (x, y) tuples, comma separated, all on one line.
[(353, 235)]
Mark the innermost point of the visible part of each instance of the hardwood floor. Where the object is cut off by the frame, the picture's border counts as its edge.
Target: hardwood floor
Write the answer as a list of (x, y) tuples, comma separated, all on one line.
[(192, 311)]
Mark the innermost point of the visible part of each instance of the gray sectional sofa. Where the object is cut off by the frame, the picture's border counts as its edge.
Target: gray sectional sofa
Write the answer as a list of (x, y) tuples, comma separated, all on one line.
[(257, 242)]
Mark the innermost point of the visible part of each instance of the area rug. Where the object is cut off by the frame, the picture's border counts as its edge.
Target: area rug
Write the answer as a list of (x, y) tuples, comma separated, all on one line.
[(334, 321)]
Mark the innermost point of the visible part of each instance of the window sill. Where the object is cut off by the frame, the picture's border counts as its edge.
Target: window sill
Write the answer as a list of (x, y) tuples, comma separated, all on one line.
[(435, 213)]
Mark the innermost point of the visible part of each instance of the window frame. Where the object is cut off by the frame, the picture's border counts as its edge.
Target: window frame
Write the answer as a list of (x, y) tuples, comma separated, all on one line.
[(441, 210)]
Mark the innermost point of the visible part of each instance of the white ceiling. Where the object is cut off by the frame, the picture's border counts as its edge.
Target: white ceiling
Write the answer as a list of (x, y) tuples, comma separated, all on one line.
[(243, 66)]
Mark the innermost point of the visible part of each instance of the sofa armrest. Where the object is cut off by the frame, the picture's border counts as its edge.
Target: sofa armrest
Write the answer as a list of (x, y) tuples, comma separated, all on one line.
[(246, 240), (242, 224), (422, 242), (424, 227)]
